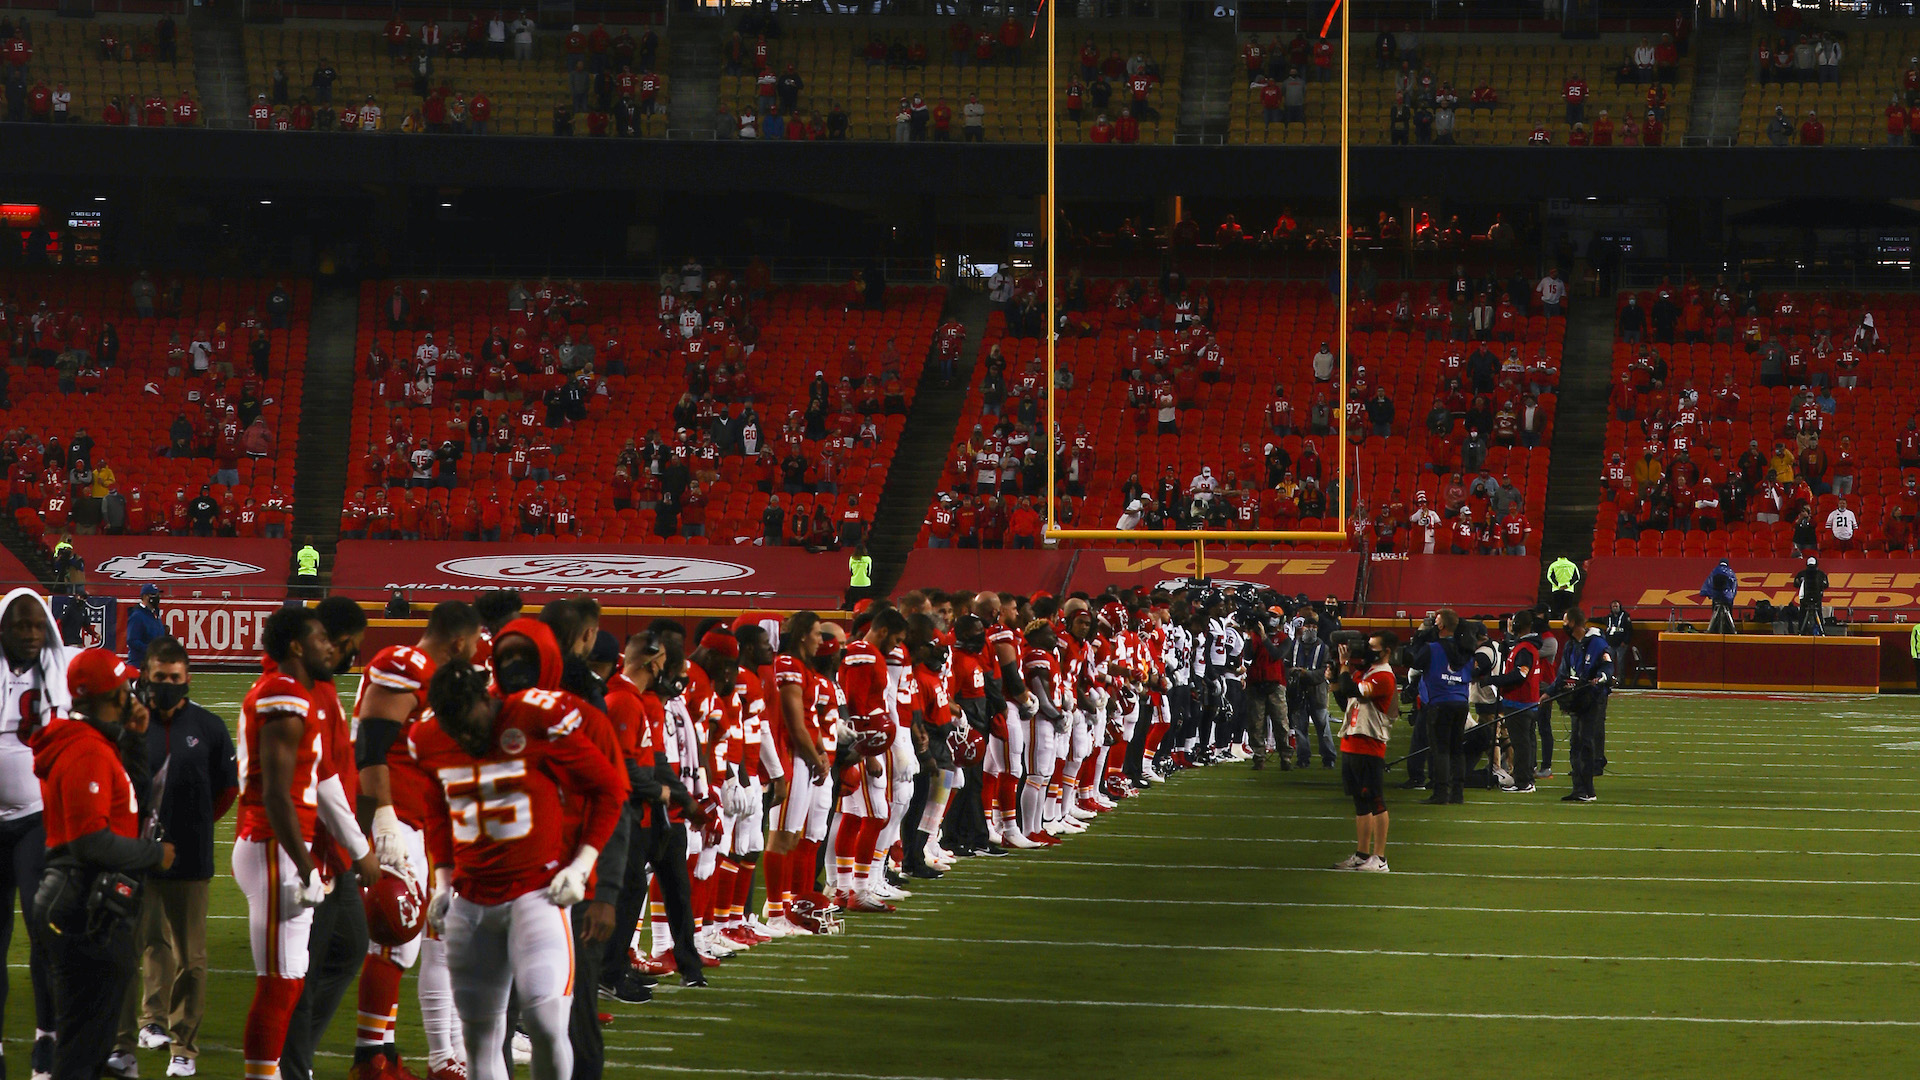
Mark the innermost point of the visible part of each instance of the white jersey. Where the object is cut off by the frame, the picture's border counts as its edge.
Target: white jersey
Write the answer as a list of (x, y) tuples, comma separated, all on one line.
[(1220, 635), (1178, 655), (19, 788)]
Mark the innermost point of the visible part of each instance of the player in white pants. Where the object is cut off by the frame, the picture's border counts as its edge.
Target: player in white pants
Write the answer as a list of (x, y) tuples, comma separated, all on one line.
[(534, 938), (439, 1020)]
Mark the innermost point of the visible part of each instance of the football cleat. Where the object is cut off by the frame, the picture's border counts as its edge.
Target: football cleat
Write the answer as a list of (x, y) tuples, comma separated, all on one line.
[(1080, 811), (1015, 840), (871, 904), (739, 937), (452, 1070), (1041, 839), (522, 1048)]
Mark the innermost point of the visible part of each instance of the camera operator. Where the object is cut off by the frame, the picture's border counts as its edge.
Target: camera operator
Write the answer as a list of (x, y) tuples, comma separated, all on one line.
[(1520, 697), (1586, 671), (1483, 695), (1365, 691), (1267, 683), (1810, 586), (1307, 694), (1445, 663), (1720, 589), (90, 768)]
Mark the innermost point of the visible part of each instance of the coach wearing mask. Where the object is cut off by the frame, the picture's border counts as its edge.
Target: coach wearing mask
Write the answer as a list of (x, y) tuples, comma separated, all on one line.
[(191, 754), (90, 767)]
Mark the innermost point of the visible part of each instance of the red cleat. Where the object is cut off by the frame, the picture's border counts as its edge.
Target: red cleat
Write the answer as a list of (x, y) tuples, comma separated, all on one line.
[(1090, 806), (1044, 839), (663, 964), (605, 1019)]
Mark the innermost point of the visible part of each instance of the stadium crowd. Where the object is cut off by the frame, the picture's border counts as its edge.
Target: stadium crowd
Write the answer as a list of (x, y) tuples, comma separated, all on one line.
[(513, 782)]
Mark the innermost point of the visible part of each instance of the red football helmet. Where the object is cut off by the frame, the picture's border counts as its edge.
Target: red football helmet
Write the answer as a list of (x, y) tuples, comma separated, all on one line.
[(396, 909), (873, 734), (968, 747)]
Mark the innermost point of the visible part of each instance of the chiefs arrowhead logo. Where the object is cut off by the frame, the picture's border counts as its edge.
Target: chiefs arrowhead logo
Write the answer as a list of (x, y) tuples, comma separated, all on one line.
[(174, 566)]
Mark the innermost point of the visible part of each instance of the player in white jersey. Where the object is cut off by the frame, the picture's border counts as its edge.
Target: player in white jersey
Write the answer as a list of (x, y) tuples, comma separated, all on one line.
[(33, 691)]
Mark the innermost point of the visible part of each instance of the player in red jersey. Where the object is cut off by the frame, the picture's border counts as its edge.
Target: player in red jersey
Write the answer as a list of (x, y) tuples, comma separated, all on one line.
[(712, 675), (999, 657), (392, 696), (757, 768), (864, 806), (280, 748), (504, 871)]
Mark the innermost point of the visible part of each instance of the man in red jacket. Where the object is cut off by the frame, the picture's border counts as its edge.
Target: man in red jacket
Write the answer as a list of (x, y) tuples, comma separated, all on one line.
[(93, 830)]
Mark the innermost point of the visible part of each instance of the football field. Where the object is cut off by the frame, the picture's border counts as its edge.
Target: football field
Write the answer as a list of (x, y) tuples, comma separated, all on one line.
[(1738, 903)]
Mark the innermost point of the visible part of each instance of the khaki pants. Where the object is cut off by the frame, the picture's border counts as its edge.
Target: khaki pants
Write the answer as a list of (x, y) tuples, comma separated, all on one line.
[(1266, 710), (171, 937)]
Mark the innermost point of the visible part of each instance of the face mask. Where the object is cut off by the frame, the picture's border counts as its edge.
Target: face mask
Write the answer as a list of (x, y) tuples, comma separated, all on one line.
[(165, 696), (517, 674)]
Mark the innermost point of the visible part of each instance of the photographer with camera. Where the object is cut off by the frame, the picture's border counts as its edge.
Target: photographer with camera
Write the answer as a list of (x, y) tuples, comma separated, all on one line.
[(1445, 664), (1307, 693), (1586, 673), (1365, 691), (99, 843), (1720, 589), (1520, 698), (1267, 683)]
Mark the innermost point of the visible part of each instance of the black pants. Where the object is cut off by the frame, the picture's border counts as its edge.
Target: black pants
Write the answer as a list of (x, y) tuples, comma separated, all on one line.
[(1137, 737), (916, 853), (1179, 708), (1600, 736), (1582, 752), (1521, 734), (23, 852), (583, 1025), (89, 977), (667, 861), (633, 901), (336, 949), (1447, 726), (1544, 723), (1417, 762), (966, 824)]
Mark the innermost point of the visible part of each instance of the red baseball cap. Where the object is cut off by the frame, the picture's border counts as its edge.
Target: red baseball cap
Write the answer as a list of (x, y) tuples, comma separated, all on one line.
[(97, 672)]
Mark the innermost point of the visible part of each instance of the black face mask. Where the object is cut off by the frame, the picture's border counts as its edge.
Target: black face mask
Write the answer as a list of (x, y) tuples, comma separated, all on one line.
[(164, 697), (517, 674)]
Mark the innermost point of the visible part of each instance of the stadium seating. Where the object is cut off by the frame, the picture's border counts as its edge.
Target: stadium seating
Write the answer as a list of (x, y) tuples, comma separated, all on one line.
[(801, 329), (71, 52), (1529, 78), (830, 60), (1872, 415), (1267, 331), (129, 411), (523, 94), (1853, 109)]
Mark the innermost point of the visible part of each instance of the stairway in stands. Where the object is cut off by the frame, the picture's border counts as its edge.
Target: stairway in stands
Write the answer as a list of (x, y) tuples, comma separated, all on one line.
[(320, 477), (1579, 436), (693, 77), (915, 473), (219, 69), (1206, 93), (28, 551), (1721, 67)]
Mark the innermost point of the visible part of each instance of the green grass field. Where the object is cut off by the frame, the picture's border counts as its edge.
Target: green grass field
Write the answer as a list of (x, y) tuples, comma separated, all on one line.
[(1739, 903)]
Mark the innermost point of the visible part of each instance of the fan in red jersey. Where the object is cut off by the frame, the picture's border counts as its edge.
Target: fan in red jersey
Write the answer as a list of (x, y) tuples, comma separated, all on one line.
[(503, 868), (392, 696)]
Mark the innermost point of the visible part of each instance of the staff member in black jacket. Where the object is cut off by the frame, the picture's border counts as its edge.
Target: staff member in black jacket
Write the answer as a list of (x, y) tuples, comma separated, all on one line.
[(197, 787), (90, 767)]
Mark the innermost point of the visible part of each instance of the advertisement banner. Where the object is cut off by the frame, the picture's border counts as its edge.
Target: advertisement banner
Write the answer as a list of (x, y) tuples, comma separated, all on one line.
[(1651, 587), (954, 569), (616, 574), (219, 631), (1318, 574), (1417, 584), (185, 566), (95, 620)]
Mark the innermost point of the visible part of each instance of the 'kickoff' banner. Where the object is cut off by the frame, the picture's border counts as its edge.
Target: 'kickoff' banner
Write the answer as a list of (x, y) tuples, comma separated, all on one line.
[(185, 566), (218, 631), (1653, 586), (722, 575)]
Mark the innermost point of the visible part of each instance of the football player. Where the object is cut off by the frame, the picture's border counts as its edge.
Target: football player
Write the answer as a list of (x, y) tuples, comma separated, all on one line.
[(391, 698), (504, 870), (868, 799), (802, 730)]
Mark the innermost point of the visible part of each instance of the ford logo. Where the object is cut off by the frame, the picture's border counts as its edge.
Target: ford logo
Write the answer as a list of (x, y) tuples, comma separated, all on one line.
[(588, 568)]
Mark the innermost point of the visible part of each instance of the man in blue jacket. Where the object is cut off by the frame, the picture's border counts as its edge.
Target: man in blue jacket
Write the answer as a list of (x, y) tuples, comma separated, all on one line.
[(1445, 671), (1720, 589), (1586, 669), (143, 626)]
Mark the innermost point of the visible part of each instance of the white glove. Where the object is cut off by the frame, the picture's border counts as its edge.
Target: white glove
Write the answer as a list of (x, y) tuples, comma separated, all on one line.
[(298, 895), (735, 799), (569, 886), (390, 841), (442, 899)]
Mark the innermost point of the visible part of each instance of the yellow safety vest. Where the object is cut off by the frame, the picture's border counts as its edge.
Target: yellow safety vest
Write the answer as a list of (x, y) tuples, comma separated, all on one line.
[(861, 567)]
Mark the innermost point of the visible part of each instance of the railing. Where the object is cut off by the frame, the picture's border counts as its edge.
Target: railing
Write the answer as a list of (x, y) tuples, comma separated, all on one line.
[(794, 269), (1774, 274)]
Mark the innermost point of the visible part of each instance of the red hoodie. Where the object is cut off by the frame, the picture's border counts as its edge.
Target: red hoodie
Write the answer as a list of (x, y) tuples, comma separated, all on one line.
[(82, 783)]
